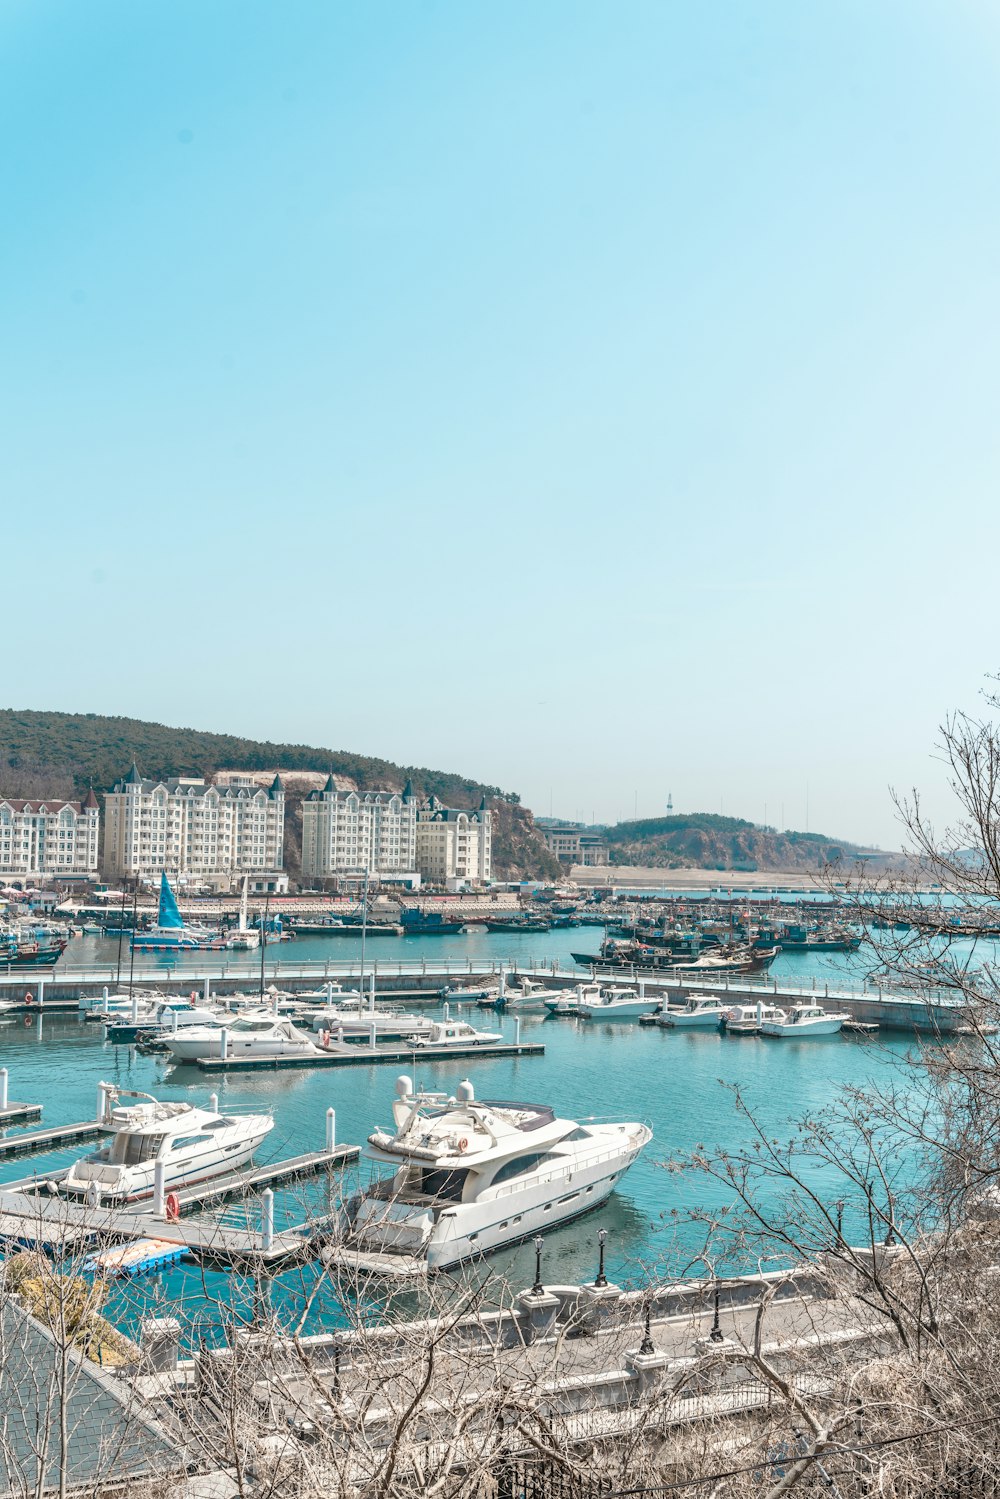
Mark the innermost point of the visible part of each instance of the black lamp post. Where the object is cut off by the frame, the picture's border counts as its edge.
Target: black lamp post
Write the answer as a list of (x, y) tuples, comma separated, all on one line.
[(715, 1336), (646, 1346), (538, 1289), (601, 1279)]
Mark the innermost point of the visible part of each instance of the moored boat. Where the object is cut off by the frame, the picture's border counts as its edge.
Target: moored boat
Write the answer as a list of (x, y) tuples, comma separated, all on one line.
[(804, 1020), (193, 1144), (456, 1033), (470, 1177), (746, 1020), (704, 1010)]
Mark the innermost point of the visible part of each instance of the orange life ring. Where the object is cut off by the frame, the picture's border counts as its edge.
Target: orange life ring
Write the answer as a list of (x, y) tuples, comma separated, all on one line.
[(29, 998), (193, 994), (172, 1207), (463, 1143)]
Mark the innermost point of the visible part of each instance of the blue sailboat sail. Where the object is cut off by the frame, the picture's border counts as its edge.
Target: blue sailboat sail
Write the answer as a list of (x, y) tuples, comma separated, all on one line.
[(169, 914)]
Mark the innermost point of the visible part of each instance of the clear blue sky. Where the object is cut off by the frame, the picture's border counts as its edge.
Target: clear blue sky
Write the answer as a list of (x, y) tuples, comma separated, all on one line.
[(596, 399)]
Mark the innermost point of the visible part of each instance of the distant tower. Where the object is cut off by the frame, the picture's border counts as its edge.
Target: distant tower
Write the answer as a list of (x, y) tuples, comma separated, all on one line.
[(670, 802)]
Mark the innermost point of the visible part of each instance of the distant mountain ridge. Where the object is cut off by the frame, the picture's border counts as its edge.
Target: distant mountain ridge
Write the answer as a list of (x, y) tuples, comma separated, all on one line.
[(707, 840)]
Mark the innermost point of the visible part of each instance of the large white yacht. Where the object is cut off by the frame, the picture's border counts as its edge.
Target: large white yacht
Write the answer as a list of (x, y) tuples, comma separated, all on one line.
[(249, 1036), (193, 1144), (470, 1177)]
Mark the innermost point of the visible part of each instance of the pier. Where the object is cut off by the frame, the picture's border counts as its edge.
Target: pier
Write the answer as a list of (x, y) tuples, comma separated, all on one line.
[(364, 1056), (56, 1225)]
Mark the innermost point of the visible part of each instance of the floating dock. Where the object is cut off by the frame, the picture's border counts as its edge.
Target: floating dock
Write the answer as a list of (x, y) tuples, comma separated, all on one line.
[(57, 1225), (17, 1113), (48, 1139), (364, 1056)]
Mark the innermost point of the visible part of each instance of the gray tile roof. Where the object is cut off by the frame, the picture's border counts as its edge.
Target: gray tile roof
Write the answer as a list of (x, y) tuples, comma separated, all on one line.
[(108, 1435)]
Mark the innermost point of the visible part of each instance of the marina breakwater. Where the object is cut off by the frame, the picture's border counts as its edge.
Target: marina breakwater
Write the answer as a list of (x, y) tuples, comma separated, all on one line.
[(66, 988)]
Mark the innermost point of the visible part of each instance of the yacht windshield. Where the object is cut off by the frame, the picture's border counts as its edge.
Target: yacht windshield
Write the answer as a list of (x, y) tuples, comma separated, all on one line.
[(251, 1025)]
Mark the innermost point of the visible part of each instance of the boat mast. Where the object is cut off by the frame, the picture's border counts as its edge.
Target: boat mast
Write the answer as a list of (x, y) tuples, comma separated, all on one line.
[(263, 930), (131, 960), (364, 933)]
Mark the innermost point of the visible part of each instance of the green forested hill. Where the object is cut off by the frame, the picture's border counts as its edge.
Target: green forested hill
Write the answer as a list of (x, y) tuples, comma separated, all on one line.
[(59, 754), (706, 840)]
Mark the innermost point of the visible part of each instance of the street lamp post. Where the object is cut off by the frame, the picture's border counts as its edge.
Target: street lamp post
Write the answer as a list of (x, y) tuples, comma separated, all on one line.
[(538, 1289), (602, 1279)]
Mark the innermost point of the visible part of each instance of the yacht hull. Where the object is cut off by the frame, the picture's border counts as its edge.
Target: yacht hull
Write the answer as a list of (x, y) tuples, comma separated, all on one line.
[(829, 1026)]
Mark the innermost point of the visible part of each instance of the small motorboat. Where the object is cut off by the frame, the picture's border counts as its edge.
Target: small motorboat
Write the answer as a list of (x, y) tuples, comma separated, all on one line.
[(456, 1033), (248, 1036), (193, 1144), (746, 1020), (568, 1001), (804, 1020), (704, 1010), (523, 993), (617, 1004)]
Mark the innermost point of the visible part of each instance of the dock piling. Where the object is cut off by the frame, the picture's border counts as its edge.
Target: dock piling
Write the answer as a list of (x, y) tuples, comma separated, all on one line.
[(206, 990), (223, 1042), (517, 1030), (267, 1215), (159, 1187), (41, 993), (213, 1102), (3, 1088), (331, 1129), (372, 1029), (102, 1102)]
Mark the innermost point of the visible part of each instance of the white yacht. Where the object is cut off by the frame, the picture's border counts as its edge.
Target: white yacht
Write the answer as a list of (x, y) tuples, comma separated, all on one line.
[(747, 1020), (193, 1144), (617, 1004), (470, 1177), (700, 1010), (248, 1036), (355, 1023), (456, 1033), (524, 993), (804, 1020), (568, 1001)]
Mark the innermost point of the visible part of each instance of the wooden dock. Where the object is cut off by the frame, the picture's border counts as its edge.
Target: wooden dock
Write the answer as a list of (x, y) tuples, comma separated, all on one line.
[(364, 1056), (17, 1113)]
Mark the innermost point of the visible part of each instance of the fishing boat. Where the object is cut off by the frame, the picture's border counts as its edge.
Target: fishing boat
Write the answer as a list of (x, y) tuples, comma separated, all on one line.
[(31, 947), (617, 1004), (746, 1020), (804, 1020), (471, 1177), (418, 923), (248, 1037), (456, 1033), (170, 934), (615, 956), (704, 1010), (194, 1144)]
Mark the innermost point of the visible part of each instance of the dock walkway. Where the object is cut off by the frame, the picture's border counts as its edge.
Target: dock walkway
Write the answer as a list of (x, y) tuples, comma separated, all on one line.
[(364, 1056)]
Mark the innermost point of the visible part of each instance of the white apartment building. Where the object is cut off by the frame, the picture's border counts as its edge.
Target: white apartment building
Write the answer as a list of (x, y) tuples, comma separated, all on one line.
[(186, 827), (453, 844), (49, 838), (350, 832)]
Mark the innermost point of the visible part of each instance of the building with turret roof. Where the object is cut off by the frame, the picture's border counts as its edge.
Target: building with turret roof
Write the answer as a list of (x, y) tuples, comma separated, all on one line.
[(49, 838), (185, 827)]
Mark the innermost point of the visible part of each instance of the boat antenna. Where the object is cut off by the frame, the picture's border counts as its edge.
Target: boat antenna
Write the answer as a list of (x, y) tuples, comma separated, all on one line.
[(131, 960), (263, 938)]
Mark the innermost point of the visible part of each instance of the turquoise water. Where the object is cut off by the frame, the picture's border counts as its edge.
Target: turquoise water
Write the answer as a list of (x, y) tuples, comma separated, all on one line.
[(675, 1080)]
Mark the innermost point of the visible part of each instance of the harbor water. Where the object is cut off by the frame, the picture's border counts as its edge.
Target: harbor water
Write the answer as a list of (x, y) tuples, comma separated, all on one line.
[(675, 1080)]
